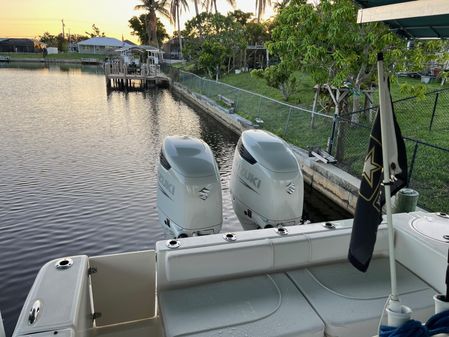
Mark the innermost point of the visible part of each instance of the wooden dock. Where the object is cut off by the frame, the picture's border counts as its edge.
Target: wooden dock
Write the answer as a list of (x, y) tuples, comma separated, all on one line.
[(122, 77)]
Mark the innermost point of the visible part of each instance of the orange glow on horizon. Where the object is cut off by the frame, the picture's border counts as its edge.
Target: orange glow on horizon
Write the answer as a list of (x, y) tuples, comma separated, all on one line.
[(31, 18)]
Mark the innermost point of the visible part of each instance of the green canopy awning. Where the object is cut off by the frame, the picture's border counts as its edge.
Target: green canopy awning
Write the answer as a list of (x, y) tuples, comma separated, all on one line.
[(409, 18)]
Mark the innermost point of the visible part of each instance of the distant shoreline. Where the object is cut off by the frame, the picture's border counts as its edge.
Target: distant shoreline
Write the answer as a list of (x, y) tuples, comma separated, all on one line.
[(47, 60), (54, 59)]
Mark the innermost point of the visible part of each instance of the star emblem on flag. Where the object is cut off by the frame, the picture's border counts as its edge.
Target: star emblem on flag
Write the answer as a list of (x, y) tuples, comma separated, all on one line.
[(370, 167)]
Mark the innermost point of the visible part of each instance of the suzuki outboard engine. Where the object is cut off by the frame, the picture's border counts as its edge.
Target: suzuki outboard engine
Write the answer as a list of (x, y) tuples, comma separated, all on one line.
[(189, 191), (267, 185)]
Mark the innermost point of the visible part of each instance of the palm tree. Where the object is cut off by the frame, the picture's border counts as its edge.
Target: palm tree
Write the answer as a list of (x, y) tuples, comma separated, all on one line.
[(174, 17), (153, 7), (280, 5), (260, 7), (207, 4), (197, 11)]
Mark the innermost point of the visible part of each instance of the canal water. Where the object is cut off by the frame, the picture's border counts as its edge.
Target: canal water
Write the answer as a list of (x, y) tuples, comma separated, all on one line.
[(78, 170)]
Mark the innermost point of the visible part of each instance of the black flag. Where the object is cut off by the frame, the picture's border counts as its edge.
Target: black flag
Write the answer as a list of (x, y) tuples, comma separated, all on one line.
[(368, 212)]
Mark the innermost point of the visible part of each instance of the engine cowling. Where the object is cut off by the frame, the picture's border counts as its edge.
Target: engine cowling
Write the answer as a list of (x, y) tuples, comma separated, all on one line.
[(267, 185), (189, 196)]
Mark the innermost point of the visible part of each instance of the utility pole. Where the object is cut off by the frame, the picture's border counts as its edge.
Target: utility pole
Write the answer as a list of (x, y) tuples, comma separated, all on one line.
[(63, 25)]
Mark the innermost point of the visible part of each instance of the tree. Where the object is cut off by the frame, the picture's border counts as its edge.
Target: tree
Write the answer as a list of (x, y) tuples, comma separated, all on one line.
[(175, 8), (279, 77), (213, 40), (207, 4), (54, 41), (196, 4), (95, 32), (280, 5), (260, 7), (138, 26), (325, 41), (75, 38), (153, 7), (240, 16), (257, 33), (49, 39)]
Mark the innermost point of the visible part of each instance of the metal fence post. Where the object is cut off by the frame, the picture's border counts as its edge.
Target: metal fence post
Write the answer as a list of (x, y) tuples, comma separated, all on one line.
[(412, 164), (331, 140), (287, 122), (205, 88), (258, 108), (236, 100), (434, 110)]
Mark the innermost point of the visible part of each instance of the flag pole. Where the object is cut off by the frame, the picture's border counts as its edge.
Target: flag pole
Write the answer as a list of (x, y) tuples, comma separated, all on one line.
[(397, 314)]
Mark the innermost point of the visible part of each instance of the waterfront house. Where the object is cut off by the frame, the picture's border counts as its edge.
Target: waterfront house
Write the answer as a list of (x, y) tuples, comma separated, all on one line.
[(100, 45), (18, 45)]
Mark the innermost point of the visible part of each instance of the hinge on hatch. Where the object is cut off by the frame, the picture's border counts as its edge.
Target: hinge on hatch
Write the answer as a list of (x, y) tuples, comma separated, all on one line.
[(96, 315), (91, 270)]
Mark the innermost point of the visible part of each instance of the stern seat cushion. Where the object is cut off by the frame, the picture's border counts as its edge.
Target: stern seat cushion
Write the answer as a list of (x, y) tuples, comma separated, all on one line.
[(259, 306), (350, 302)]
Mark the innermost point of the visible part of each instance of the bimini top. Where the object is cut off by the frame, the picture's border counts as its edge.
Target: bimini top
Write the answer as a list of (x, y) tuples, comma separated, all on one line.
[(421, 19)]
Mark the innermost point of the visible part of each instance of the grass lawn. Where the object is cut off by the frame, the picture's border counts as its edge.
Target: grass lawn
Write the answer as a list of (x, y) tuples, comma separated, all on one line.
[(305, 92), (65, 56), (303, 95), (430, 175)]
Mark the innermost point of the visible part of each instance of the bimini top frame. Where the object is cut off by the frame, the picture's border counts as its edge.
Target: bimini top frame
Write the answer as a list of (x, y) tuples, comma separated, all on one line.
[(421, 19)]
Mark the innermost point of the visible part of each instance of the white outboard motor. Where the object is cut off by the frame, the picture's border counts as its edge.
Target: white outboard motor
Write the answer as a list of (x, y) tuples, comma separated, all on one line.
[(2, 329), (267, 185), (189, 191)]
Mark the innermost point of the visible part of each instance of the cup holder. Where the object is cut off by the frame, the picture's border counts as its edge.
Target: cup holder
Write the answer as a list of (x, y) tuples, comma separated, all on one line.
[(173, 244), (64, 263), (281, 230), (229, 237)]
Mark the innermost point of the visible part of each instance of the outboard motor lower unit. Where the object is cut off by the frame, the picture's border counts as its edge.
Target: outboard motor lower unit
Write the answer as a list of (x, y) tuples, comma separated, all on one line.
[(189, 191), (267, 185)]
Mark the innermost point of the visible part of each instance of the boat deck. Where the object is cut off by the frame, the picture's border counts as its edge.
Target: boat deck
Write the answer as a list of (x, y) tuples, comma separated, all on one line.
[(263, 284)]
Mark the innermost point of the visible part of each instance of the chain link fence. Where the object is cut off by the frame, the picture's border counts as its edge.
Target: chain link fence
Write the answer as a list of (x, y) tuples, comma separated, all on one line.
[(424, 124)]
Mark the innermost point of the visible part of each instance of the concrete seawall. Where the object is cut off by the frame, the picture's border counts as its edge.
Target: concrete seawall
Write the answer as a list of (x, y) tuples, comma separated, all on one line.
[(334, 183)]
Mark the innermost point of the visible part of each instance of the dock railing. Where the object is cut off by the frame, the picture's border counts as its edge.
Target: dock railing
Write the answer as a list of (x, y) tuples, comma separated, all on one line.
[(144, 70), (424, 124)]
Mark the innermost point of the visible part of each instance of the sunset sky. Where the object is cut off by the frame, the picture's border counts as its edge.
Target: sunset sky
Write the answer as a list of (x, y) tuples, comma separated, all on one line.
[(31, 18)]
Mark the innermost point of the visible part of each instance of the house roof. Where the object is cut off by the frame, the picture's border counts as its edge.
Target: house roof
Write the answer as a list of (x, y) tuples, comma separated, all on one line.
[(103, 42), (18, 41), (409, 18)]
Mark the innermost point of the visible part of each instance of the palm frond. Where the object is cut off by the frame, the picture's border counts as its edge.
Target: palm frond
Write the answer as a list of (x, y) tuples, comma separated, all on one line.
[(165, 12), (233, 3), (260, 7), (207, 5)]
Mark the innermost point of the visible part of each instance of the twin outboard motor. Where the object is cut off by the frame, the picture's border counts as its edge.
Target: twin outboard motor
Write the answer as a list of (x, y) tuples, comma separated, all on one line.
[(267, 185), (189, 193)]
